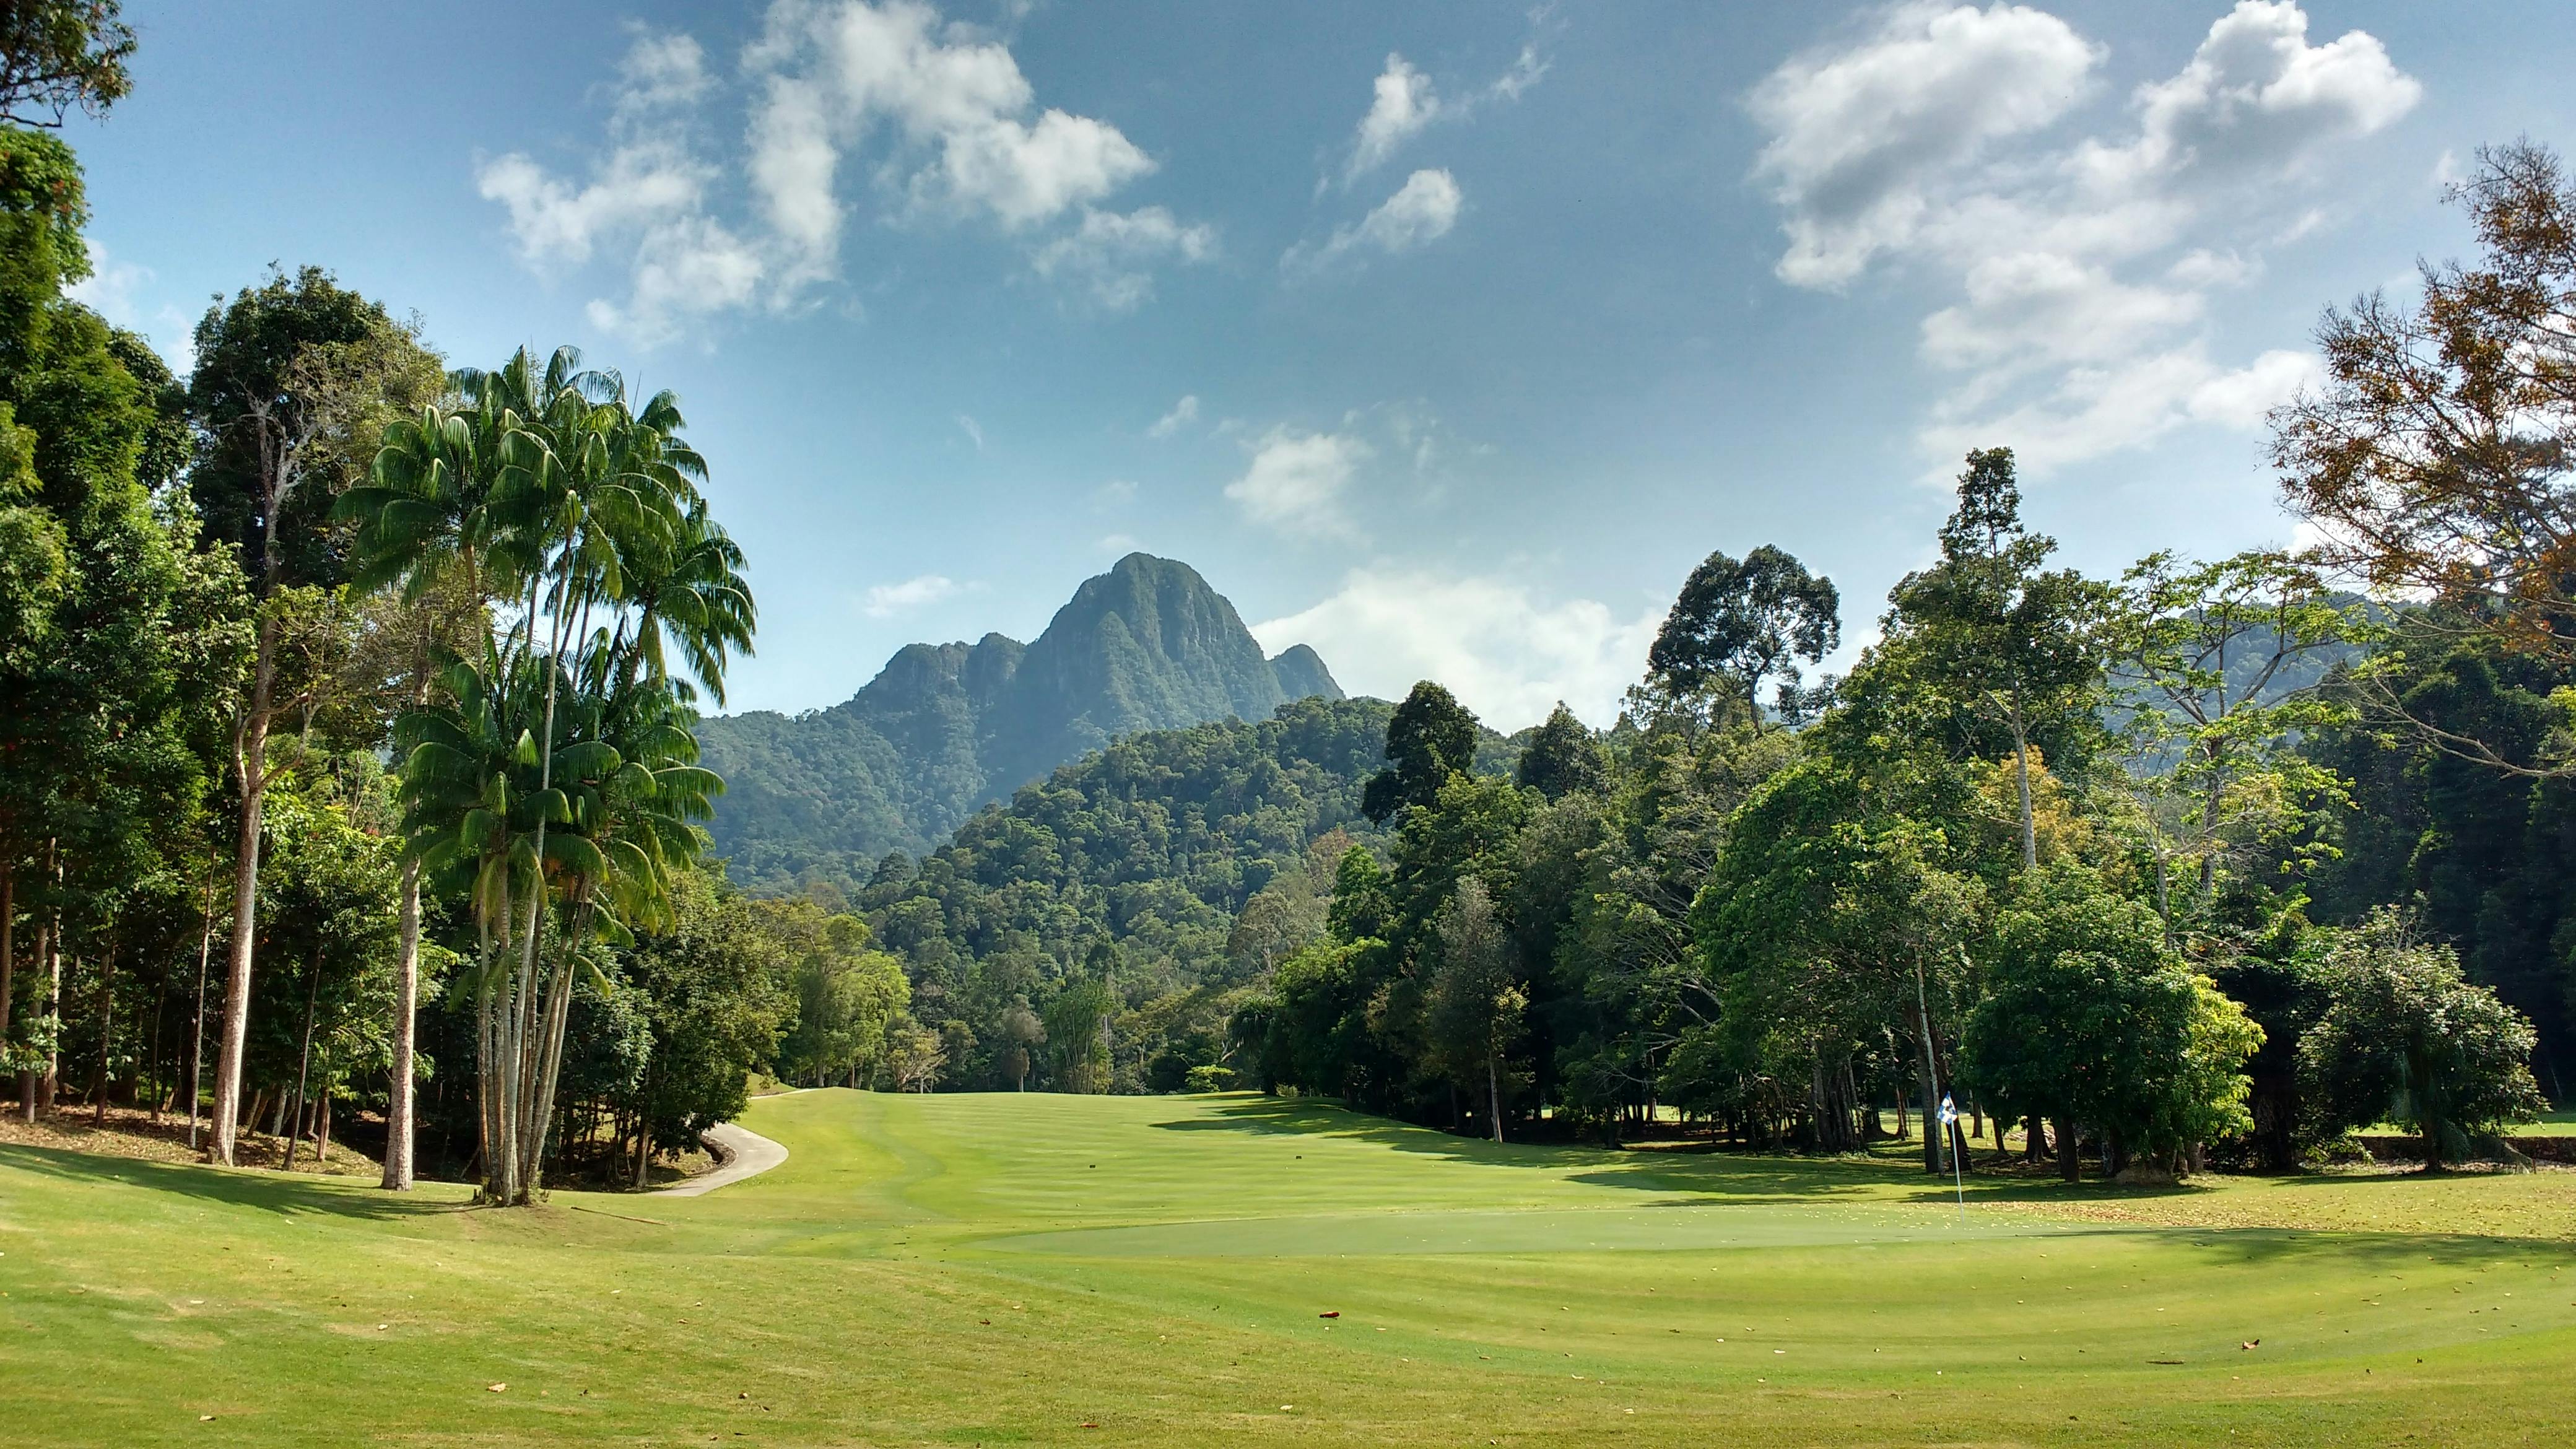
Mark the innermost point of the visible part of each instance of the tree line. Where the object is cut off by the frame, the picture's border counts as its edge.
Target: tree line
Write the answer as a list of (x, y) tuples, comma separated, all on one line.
[(2211, 857), (348, 754)]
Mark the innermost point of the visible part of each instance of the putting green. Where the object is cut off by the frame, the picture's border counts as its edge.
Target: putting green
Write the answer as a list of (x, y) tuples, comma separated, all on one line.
[(1155, 1271)]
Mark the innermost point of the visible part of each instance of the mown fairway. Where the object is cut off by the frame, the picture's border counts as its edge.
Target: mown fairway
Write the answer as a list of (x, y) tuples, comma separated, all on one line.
[(1008, 1269)]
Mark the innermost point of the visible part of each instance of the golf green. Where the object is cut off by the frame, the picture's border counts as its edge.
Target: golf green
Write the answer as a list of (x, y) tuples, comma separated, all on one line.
[(1011, 1269)]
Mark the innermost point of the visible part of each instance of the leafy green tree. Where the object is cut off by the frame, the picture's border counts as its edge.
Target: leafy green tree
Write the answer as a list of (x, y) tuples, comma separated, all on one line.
[(845, 993), (118, 640), (1562, 758), (294, 382), (1740, 622), (2223, 661), (710, 982), (1988, 634), (1833, 924), (1430, 737), (2091, 1019), (2406, 1038), (56, 55), (1476, 997), (1075, 1018)]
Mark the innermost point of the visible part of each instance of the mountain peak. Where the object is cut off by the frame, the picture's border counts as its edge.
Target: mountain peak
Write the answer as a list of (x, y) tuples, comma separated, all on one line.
[(944, 729)]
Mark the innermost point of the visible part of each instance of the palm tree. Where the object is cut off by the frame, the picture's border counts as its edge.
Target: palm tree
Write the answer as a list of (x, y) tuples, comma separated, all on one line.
[(561, 767)]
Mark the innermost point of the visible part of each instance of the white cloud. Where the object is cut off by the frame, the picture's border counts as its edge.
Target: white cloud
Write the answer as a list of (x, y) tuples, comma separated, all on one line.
[(2083, 269), (689, 268), (936, 114), (1116, 493), (118, 290), (1112, 255), (1421, 211), (885, 601), (1296, 480), (1861, 134), (1403, 103), (973, 430), (972, 138), (1183, 413), (1506, 653)]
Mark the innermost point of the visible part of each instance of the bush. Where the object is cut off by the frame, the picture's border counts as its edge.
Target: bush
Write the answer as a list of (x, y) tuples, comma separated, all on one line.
[(1209, 1079)]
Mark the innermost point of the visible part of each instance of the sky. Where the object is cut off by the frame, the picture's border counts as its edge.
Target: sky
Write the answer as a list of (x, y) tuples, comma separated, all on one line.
[(1443, 338)]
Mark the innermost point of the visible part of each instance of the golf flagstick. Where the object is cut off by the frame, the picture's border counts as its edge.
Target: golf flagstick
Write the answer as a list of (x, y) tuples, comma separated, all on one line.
[(1949, 1117)]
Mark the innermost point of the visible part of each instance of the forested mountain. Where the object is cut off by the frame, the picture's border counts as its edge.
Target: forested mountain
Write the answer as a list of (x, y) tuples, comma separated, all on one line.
[(1128, 881), (945, 729)]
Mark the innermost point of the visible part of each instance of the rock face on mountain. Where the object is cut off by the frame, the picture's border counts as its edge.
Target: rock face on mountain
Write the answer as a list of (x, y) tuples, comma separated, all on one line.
[(946, 728)]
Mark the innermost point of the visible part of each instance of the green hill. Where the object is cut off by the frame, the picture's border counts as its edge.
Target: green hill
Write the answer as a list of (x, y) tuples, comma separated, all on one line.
[(946, 729)]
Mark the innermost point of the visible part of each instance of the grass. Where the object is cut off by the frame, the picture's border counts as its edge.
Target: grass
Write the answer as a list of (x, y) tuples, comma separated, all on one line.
[(1012, 1269)]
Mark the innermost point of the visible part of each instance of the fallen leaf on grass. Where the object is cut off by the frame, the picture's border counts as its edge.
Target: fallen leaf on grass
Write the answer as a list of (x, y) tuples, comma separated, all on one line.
[(1336, 1313), (494, 1388)]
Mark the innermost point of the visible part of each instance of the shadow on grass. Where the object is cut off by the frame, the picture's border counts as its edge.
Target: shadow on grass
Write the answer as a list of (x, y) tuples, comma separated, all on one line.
[(1696, 1177), (1712, 1178), (284, 1195)]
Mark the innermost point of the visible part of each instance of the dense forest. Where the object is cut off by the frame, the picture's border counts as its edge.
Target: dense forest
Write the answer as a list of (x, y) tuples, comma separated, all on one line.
[(350, 779)]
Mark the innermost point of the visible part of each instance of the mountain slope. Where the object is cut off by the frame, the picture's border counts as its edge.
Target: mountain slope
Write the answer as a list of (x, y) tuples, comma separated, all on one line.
[(945, 729)]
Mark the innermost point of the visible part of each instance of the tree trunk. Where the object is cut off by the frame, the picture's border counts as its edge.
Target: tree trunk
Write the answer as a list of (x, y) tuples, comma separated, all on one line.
[(1931, 1078), (303, 1060), (2070, 1165), (106, 1035), (250, 758), (2021, 778), (1494, 1098), (8, 943), (197, 1022), (398, 1095), (152, 1054)]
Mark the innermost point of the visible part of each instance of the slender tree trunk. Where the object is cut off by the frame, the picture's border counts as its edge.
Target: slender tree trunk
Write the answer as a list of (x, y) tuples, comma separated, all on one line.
[(53, 1083), (398, 1096), (8, 943), (44, 946), (106, 1035), (1931, 1078), (152, 1055), (2021, 778), (250, 757), (197, 1021), (1494, 1097), (303, 1060), (2070, 1160)]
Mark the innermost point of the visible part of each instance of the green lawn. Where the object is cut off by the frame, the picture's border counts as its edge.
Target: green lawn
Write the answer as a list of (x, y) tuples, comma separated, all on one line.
[(1011, 1270)]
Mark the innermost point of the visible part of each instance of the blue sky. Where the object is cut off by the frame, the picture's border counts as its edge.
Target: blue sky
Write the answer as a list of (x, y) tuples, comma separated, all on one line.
[(1444, 338)]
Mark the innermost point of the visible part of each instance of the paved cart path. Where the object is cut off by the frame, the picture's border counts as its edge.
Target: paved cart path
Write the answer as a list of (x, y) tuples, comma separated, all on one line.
[(746, 1154)]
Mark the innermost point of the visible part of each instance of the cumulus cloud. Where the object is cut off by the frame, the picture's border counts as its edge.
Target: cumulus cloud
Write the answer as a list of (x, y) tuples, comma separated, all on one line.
[(1296, 480), (1403, 103), (937, 117), (1862, 135), (885, 601), (120, 292), (2081, 269), (1506, 652), (1183, 413), (1111, 256), (1421, 211)]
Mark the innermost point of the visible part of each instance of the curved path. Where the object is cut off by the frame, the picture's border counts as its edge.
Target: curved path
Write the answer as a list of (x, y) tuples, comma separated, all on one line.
[(746, 1154)]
